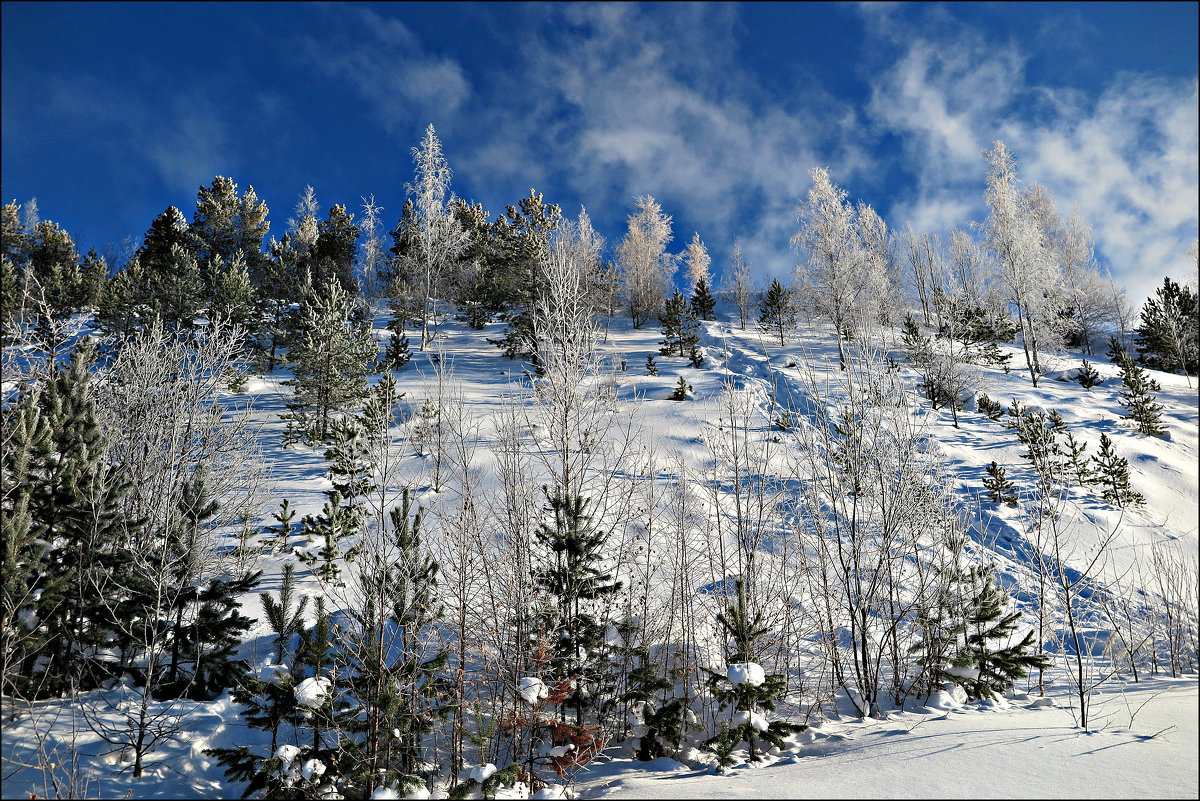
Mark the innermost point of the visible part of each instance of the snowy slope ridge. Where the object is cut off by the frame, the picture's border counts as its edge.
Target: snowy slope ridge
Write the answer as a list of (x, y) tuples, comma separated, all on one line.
[(760, 397)]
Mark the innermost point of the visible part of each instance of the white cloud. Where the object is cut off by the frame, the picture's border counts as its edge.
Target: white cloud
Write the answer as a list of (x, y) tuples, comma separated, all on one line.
[(186, 139), (1127, 158), (623, 102), (387, 66)]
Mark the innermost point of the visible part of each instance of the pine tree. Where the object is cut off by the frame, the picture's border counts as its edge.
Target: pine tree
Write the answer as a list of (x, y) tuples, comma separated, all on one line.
[(398, 679), (397, 354), (336, 524), (1075, 464), (23, 459), (331, 359), (703, 303), (1112, 473), (269, 701), (1168, 337), (575, 581), (335, 251), (174, 289), (1135, 395), (989, 661), (988, 407), (681, 390), (225, 223), (650, 697), (744, 688), (681, 330), (776, 312), (1088, 377), (74, 505), (1039, 434), (651, 367), (234, 298), (1002, 490), (1116, 351), (281, 532)]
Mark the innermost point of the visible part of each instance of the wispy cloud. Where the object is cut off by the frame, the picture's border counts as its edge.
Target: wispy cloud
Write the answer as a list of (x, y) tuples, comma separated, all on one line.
[(1126, 158), (185, 140), (387, 66), (622, 102)]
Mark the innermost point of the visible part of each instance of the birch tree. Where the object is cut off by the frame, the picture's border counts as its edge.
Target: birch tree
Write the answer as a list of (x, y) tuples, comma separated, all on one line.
[(438, 238), (646, 267), (1016, 239), (739, 285)]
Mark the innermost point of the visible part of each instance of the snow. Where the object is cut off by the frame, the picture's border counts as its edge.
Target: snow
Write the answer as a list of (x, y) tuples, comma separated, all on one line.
[(532, 689), (1145, 740), (1028, 751), (287, 753), (311, 692), (746, 673), (482, 773)]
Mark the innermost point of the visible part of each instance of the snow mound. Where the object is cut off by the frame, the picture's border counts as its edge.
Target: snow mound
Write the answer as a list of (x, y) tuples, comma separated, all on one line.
[(533, 689), (311, 692), (746, 673)]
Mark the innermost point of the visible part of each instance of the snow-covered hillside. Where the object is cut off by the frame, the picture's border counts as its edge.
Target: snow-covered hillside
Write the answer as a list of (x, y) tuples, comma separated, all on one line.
[(663, 466)]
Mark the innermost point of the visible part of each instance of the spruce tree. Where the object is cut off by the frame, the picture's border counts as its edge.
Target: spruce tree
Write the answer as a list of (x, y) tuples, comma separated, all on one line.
[(776, 313), (1112, 474), (1167, 338), (1136, 397), (574, 578), (679, 327), (397, 677), (651, 367), (74, 505), (1000, 488), (331, 358), (703, 303), (1088, 377), (989, 660), (744, 688), (681, 390), (24, 460)]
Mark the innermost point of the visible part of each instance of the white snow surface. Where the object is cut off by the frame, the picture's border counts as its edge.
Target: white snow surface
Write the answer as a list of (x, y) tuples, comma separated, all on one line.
[(312, 691), (532, 689), (1145, 739), (750, 673)]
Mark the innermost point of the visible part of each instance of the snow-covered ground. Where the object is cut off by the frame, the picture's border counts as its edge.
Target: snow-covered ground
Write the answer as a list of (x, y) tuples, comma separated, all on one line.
[(1145, 742)]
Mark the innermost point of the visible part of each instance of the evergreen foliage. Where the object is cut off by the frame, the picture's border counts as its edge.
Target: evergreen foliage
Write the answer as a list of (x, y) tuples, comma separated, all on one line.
[(703, 302), (651, 367), (744, 699), (680, 328), (575, 581), (1088, 377), (1168, 337), (989, 408), (1112, 474), (1000, 488), (776, 313), (989, 660), (397, 668), (331, 358), (681, 390), (1136, 397)]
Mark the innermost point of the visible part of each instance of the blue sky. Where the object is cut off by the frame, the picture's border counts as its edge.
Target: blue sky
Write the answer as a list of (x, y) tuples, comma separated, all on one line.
[(111, 112)]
